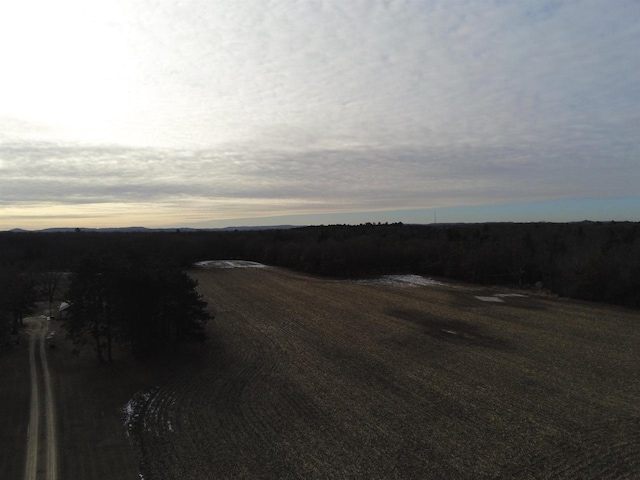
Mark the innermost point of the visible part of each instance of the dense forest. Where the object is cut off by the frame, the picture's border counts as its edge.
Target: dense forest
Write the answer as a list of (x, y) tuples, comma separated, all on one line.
[(147, 306), (589, 260)]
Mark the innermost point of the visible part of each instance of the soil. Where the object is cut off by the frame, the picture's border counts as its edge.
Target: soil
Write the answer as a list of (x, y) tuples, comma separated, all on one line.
[(305, 377), (314, 378)]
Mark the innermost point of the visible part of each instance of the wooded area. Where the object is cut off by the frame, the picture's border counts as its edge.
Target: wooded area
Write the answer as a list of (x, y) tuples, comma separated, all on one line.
[(144, 303), (148, 306), (592, 261)]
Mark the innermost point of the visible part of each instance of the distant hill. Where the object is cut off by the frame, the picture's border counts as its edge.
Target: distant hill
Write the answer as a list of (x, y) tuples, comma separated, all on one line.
[(144, 229), (263, 227)]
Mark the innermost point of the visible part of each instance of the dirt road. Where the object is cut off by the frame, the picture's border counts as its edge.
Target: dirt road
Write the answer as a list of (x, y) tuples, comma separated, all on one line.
[(41, 457), (314, 378)]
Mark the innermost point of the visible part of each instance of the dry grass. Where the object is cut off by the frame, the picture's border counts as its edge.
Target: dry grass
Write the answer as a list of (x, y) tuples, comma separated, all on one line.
[(15, 392), (90, 396)]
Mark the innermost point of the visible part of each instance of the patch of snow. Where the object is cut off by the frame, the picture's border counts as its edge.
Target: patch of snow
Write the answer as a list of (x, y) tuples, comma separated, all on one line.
[(490, 299), (135, 407), (509, 295), (169, 425), (402, 280), (449, 331), (229, 264)]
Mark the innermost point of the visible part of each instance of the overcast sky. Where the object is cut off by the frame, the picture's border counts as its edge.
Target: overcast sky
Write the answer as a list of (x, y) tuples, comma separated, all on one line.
[(218, 112)]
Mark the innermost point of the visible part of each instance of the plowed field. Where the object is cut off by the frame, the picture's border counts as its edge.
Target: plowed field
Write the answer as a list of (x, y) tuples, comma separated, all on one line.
[(315, 378)]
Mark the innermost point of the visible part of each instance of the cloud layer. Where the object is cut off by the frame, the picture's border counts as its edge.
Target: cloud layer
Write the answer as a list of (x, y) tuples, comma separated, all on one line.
[(224, 109)]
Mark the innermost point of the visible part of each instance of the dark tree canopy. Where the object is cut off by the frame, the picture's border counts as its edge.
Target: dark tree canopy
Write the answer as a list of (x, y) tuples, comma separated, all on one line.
[(17, 298), (150, 306), (597, 261)]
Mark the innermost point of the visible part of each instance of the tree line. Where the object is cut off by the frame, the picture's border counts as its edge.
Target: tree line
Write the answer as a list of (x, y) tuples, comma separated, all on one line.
[(595, 261), (122, 295), (588, 260)]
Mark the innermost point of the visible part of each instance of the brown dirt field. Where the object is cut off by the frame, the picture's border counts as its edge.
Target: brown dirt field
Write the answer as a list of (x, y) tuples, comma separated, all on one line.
[(314, 378)]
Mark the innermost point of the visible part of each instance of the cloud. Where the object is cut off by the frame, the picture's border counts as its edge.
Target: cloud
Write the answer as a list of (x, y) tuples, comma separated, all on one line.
[(318, 180), (297, 106)]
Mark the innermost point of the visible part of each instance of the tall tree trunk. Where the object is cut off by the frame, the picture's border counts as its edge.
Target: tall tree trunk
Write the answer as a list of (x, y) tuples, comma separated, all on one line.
[(96, 337)]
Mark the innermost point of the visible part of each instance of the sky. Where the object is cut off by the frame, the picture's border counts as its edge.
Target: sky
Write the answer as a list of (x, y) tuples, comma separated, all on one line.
[(211, 113)]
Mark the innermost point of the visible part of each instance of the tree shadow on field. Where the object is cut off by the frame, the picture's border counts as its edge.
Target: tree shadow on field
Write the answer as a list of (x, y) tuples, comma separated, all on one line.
[(448, 330)]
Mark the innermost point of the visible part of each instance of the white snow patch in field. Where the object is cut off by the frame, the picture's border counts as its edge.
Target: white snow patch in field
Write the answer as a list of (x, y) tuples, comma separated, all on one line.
[(509, 295), (169, 425), (490, 299), (229, 264), (449, 331), (135, 408), (402, 280)]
